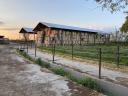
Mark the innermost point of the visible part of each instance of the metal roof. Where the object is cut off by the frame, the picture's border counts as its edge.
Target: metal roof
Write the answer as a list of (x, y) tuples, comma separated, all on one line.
[(65, 27), (28, 30)]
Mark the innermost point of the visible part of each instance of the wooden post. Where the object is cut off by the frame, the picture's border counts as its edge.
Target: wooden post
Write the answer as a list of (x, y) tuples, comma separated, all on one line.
[(80, 38), (94, 39), (118, 56), (27, 46), (100, 53), (35, 45), (19, 42), (54, 49), (72, 44), (87, 38)]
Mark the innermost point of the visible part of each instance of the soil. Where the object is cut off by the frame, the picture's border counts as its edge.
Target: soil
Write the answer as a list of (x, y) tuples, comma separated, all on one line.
[(18, 77)]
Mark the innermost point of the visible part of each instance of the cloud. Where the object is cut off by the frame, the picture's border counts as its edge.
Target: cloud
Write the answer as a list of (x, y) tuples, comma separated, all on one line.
[(105, 28), (1, 23), (9, 29)]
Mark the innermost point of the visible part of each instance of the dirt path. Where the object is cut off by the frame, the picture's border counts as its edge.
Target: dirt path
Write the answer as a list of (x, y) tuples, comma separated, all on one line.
[(20, 78)]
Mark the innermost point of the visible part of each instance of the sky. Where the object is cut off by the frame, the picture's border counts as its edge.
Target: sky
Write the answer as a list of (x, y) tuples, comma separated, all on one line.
[(15, 14)]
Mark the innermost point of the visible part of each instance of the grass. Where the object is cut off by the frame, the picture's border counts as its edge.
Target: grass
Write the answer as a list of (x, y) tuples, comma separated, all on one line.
[(91, 52), (25, 55), (85, 81), (42, 63)]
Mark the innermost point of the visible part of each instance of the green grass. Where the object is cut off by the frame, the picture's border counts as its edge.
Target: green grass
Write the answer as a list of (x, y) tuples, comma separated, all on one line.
[(84, 81), (60, 71), (42, 63), (25, 55), (91, 52)]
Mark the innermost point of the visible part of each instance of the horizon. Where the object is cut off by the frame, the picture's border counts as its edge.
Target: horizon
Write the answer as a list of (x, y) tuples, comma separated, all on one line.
[(84, 14)]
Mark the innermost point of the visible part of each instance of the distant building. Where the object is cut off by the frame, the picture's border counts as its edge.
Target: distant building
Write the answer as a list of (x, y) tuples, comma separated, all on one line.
[(3, 40), (1, 37), (65, 35), (25, 33)]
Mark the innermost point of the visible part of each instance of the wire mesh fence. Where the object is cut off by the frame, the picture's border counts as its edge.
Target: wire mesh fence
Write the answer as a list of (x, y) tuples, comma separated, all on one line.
[(112, 56)]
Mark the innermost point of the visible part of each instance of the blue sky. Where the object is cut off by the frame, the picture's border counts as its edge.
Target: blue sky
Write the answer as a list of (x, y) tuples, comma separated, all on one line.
[(15, 14)]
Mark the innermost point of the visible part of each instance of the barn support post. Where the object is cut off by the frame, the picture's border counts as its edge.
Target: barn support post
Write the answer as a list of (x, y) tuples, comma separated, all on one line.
[(94, 39), (72, 44), (65, 38), (27, 44), (105, 38), (84, 42), (76, 40), (19, 45), (87, 38), (61, 43), (35, 45), (80, 38)]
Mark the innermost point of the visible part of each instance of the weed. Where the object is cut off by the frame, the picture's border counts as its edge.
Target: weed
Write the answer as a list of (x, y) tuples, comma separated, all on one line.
[(84, 81), (42, 63), (60, 71)]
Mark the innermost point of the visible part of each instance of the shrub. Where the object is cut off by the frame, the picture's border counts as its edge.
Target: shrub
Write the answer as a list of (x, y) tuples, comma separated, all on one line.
[(85, 81), (24, 54), (42, 63), (88, 82), (60, 71)]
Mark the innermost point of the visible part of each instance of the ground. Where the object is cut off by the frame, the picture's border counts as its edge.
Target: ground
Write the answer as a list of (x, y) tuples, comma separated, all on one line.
[(84, 67), (18, 77)]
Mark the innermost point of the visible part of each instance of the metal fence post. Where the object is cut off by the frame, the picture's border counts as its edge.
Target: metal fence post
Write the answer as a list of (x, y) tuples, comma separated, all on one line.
[(54, 49), (118, 56), (100, 53)]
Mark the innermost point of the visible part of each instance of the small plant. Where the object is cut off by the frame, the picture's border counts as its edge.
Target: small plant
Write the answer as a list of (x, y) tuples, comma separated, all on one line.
[(25, 55), (88, 82), (60, 71), (85, 81), (42, 63)]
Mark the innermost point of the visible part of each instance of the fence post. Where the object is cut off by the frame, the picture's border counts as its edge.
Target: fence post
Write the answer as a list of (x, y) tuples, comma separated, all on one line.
[(100, 53), (54, 49), (118, 56)]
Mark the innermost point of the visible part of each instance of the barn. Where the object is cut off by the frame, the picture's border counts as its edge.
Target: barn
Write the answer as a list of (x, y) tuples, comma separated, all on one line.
[(26, 33), (47, 33)]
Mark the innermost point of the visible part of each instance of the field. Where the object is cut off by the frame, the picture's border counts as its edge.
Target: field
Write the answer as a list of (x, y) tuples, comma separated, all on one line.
[(110, 53)]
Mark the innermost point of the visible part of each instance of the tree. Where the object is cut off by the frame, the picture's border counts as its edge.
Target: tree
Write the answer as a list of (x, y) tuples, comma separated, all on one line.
[(113, 5), (124, 27)]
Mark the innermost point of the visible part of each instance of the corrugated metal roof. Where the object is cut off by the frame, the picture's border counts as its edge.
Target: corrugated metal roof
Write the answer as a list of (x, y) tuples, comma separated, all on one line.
[(59, 26), (29, 30)]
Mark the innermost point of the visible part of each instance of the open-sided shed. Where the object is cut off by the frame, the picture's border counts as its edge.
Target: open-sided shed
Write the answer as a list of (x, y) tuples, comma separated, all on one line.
[(25, 33), (62, 34)]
